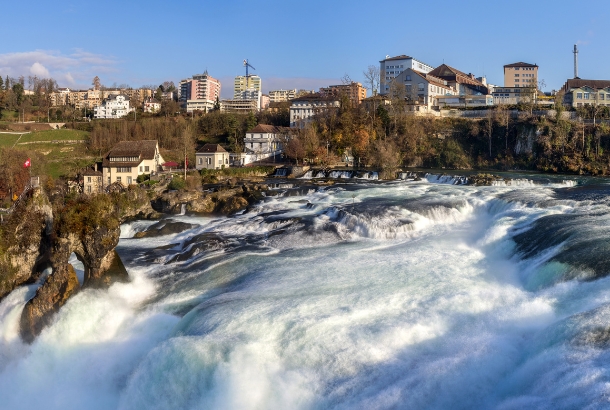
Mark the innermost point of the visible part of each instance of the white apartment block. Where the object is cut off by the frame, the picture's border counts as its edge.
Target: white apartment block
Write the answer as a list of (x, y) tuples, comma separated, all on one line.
[(282, 95), (305, 107), (115, 106), (391, 67)]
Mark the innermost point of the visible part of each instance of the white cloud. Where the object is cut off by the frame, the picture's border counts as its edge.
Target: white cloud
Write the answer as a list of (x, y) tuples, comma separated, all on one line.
[(39, 70), (76, 69), (69, 79)]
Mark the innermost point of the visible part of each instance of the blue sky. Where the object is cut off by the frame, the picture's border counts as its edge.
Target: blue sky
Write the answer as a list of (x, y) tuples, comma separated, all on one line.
[(296, 44)]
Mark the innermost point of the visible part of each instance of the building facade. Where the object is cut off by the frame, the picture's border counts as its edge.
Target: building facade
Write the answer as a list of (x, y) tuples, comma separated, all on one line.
[(391, 67), (264, 140), (514, 95), (128, 159), (579, 93), (199, 92), (282, 95), (355, 92), (212, 156), (305, 107), (423, 89), (244, 106), (252, 83), (150, 105), (115, 106), (521, 75)]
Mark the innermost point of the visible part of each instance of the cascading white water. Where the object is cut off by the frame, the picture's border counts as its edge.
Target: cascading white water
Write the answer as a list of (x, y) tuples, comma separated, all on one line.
[(392, 295)]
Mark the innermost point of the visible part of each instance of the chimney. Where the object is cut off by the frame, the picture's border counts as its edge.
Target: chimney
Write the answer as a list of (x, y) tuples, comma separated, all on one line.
[(575, 61)]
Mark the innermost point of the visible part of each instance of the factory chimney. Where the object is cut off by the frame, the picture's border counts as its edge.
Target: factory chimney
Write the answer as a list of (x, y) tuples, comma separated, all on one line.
[(575, 61)]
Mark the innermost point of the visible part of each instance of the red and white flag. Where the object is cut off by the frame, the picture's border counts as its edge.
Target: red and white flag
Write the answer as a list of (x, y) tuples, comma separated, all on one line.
[(27, 163)]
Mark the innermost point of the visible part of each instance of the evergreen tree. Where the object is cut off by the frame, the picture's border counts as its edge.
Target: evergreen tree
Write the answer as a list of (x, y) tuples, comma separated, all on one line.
[(217, 105), (7, 84), (1, 83)]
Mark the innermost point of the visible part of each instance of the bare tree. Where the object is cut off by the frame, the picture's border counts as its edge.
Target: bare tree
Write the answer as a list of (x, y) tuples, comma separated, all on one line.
[(488, 126), (96, 83)]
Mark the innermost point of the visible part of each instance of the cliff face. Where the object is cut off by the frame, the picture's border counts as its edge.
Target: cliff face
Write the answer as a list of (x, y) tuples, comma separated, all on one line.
[(25, 242)]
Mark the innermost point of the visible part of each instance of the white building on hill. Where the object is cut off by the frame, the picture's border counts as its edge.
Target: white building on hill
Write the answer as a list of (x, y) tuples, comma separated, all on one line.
[(115, 106)]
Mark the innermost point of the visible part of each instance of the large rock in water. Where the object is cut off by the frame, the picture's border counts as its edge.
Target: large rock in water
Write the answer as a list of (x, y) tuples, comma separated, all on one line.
[(52, 295)]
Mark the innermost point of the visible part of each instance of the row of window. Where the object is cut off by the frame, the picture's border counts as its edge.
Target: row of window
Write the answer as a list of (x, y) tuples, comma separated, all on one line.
[(587, 96), (525, 68), (123, 159)]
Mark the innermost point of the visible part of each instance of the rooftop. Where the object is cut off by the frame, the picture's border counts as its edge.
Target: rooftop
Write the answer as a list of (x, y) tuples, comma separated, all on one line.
[(520, 64), (211, 148)]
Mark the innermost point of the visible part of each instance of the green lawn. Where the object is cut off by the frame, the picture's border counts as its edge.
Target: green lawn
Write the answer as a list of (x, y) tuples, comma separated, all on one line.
[(7, 140)]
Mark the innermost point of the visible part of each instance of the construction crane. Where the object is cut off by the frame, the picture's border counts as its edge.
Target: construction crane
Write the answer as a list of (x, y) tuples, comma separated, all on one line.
[(247, 64)]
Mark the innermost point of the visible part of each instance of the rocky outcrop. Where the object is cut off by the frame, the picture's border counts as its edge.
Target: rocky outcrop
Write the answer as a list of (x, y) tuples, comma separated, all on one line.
[(52, 295), (224, 200), (25, 234), (166, 227)]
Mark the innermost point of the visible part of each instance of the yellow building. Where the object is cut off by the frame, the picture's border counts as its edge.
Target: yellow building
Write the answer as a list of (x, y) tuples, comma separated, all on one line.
[(521, 75)]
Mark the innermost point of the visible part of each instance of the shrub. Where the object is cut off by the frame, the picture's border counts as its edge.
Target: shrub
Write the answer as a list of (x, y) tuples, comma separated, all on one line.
[(177, 183), (142, 177)]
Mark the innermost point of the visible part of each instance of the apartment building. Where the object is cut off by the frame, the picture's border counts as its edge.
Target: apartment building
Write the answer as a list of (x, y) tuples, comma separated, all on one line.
[(391, 67), (354, 91), (239, 105), (199, 92), (464, 84), (282, 95), (521, 75), (305, 107), (243, 84)]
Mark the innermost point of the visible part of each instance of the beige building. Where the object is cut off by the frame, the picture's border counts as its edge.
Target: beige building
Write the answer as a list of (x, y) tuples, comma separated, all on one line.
[(579, 92), (244, 106), (521, 75), (354, 91), (91, 181), (128, 159), (211, 156), (305, 107)]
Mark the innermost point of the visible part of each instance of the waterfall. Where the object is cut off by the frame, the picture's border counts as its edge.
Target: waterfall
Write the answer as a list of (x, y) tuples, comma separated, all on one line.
[(183, 209)]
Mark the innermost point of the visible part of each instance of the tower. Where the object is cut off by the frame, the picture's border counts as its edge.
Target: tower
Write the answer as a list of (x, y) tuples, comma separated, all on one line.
[(575, 61)]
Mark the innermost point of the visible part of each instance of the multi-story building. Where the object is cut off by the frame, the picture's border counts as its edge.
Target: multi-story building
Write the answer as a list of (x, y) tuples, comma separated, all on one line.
[(128, 159), (244, 106), (243, 83), (354, 91), (115, 106), (579, 92), (464, 84), (521, 75), (422, 89), (282, 95), (391, 67), (199, 92), (305, 107), (91, 181)]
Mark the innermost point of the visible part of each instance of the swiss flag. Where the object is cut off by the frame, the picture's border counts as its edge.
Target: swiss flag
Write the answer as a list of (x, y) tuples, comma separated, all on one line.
[(27, 163)]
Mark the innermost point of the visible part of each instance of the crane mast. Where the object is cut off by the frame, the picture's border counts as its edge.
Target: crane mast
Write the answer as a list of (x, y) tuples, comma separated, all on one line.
[(247, 64)]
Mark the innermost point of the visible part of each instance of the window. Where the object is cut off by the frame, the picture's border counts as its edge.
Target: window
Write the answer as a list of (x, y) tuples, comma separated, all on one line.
[(408, 78), (517, 80), (209, 161), (129, 180), (601, 96), (89, 188), (200, 161), (516, 75), (420, 86), (123, 169), (579, 96), (89, 179), (108, 180), (586, 96), (516, 68), (140, 168), (146, 168), (118, 179)]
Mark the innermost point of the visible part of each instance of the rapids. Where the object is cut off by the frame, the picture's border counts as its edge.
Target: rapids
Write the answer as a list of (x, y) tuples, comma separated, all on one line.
[(363, 295)]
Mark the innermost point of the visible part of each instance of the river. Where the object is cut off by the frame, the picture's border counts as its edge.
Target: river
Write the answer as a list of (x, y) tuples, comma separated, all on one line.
[(360, 295)]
